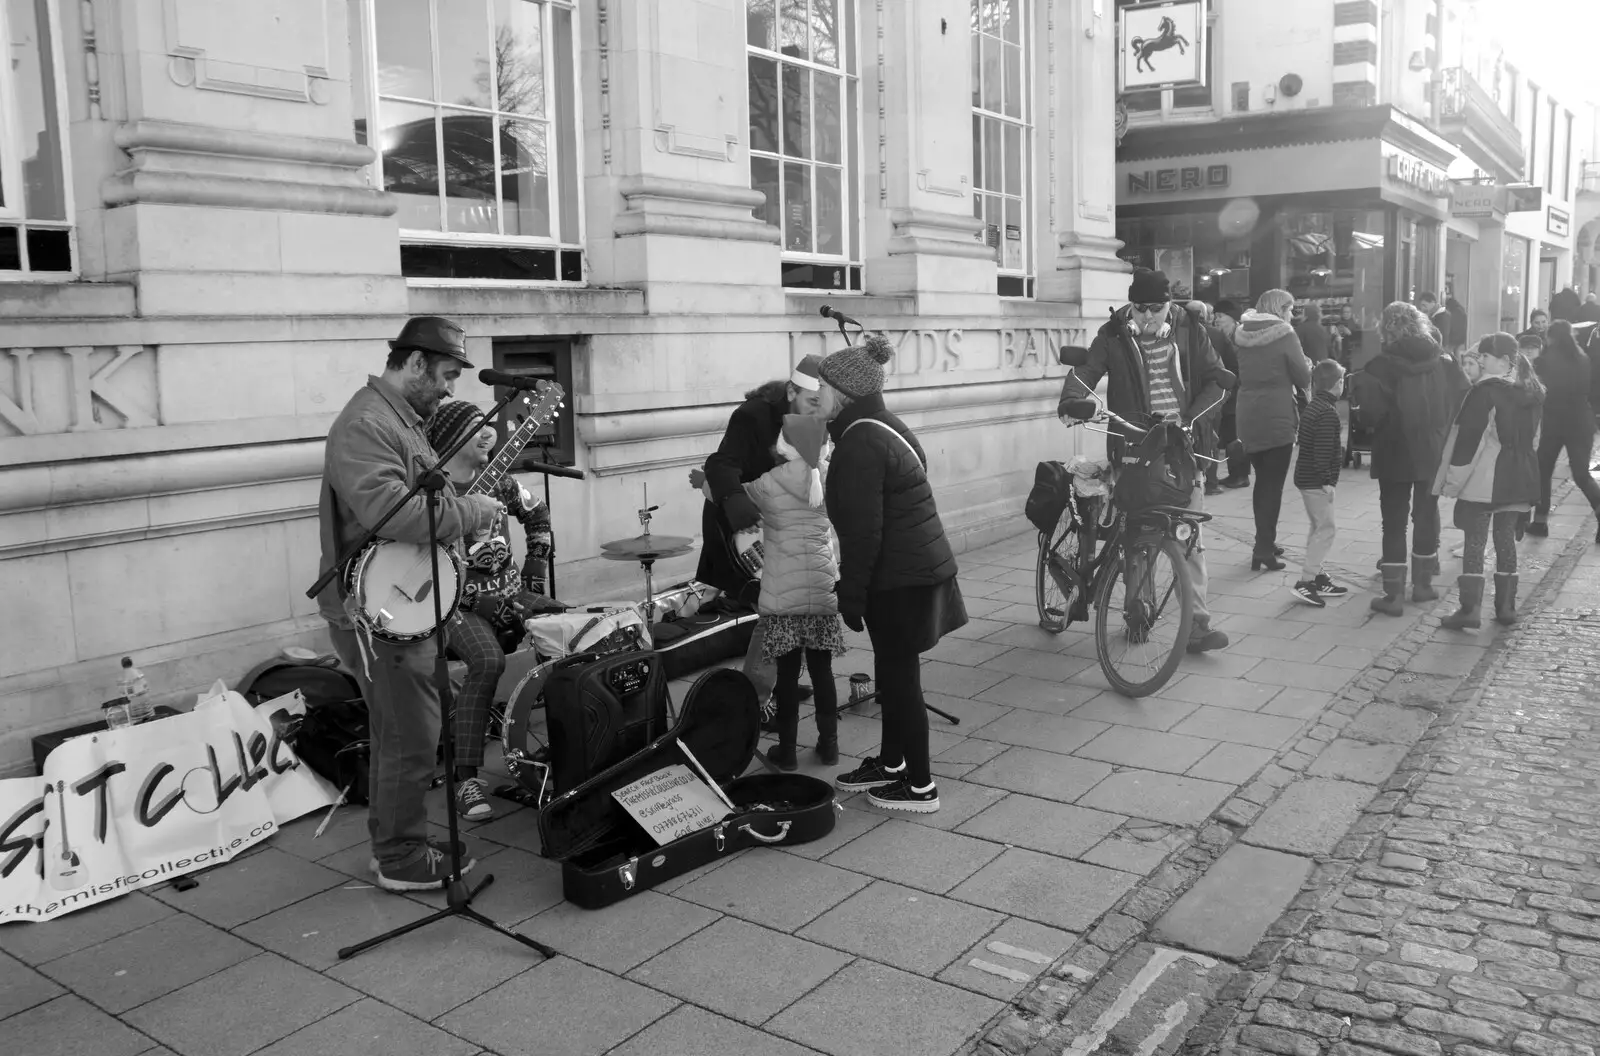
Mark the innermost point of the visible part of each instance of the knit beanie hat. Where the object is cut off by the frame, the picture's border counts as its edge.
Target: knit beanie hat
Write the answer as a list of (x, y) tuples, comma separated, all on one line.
[(807, 436), (804, 376), (1148, 287), (451, 422), (858, 371)]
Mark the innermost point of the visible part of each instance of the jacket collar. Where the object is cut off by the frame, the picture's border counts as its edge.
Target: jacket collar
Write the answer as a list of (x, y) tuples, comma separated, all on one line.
[(865, 407), (393, 397)]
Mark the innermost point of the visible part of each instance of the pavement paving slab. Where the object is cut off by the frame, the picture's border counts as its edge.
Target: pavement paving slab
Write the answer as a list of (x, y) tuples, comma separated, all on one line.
[(871, 1009), (21, 987), (905, 853), (903, 927), (1008, 958), (1043, 774), (621, 936), (1229, 910), (71, 1026), (35, 943), (1042, 825), (778, 891), (142, 965), (691, 1031), (370, 1028), (1311, 816), (1040, 887), (1157, 796)]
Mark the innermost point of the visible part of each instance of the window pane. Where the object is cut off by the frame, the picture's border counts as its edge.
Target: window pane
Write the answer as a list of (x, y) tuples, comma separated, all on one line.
[(1142, 102), (797, 207), (524, 178), (566, 124), (993, 218), (977, 67), (410, 146), (853, 196), (1012, 24), (469, 173), (34, 80), (828, 133), (825, 31), (1011, 243), (758, 24), (763, 104), (794, 29), (992, 147), (830, 211), (1013, 59), (796, 111), (847, 15), (1013, 141), (463, 52), (405, 54), (979, 178), (519, 54), (764, 178), (991, 74)]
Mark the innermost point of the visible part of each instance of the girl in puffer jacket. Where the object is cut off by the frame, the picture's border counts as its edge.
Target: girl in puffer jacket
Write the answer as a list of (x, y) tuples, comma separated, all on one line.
[(799, 610)]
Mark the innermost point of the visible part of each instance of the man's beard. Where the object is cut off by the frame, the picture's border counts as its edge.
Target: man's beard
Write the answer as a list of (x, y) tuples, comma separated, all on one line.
[(420, 396)]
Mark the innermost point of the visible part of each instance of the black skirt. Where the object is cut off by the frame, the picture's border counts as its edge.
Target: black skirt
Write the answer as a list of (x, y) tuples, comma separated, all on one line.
[(913, 619)]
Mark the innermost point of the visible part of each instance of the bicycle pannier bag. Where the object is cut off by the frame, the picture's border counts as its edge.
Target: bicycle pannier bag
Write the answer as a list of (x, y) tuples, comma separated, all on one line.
[(1052, 484), (1158, 470)]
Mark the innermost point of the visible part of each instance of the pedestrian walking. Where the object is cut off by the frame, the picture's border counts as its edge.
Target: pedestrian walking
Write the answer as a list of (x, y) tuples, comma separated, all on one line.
[(1408, 394), (1491, 470), (1272, 366), (897, 574), (1225, 318), (1538, 325), (1590, 311), (797, 604), (1568, 421), (1316, 475)]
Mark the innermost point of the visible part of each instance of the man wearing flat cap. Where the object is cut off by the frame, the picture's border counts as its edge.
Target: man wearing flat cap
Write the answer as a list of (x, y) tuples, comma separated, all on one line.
[(1158, 361), (372, 458)]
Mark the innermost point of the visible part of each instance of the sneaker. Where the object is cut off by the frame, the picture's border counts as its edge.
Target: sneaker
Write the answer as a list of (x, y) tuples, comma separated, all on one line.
[(1306, 590), (1538, 529), (472, 799), (870, 774), (427, 873), (442, 848), (1205, 643), (1328, 588), (901, 796)]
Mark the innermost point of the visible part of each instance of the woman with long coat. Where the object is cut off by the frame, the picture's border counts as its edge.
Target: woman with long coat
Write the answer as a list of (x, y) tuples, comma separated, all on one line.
[(1568, 420), (1272, 366), (897, 574)]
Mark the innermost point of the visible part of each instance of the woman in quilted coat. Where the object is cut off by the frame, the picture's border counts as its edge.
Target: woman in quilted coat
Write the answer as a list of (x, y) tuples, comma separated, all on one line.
[(798, 607)]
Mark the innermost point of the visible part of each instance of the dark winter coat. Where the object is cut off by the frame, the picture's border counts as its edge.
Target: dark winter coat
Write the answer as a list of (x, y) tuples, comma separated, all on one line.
[(1456, 336), (1318, 463), (1567, 378), (743, 456), (1408, 394), (1313, 337), (1565, 305), (1115, 354), (882, 508), (1511, 477), (1271, 367)]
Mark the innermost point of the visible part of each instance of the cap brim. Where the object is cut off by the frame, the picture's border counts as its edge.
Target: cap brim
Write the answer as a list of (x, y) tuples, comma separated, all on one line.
[(459, 357)]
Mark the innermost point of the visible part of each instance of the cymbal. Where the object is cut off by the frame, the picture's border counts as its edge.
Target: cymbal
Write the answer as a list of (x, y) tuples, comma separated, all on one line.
[(646, 555), (642, 543)]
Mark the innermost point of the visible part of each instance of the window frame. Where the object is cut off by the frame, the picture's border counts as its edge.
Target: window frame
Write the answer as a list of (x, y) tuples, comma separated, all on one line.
[(1566, 167), (851, 151), (373, 99), (1027, 196), (1168, 109), (11, 166)]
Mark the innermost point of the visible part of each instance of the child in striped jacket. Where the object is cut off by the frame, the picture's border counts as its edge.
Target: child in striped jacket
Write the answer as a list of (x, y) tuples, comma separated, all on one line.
[(1316, 473)]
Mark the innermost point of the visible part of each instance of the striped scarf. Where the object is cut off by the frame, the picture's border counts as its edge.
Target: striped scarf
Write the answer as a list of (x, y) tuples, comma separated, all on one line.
[(1159, 353)]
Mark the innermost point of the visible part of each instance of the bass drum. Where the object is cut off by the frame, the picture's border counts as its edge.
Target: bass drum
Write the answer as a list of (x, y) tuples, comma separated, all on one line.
[(391, 583), (526, 757)]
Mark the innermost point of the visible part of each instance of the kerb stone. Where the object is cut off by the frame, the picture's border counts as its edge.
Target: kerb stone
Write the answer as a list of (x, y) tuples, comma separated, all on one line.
[(1228, 911)]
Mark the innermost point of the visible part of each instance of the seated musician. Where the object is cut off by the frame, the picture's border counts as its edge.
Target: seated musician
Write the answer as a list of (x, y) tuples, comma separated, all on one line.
[(495, 598)]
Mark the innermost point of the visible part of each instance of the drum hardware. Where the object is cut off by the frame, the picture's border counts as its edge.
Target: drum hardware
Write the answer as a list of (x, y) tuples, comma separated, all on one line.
[(647, 550)]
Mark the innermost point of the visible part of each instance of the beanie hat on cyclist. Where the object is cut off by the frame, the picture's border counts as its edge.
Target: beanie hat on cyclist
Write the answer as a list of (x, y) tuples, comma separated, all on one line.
[(1149, 287), (858, 371), (450, 422)]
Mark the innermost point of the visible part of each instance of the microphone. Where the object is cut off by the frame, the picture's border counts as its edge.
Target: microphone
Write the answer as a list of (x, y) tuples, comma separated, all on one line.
[(525, 382), (829, 312), (552, 471)]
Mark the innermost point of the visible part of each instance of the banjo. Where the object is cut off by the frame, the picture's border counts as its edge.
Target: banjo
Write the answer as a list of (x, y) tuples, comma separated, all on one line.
[(391, 582)]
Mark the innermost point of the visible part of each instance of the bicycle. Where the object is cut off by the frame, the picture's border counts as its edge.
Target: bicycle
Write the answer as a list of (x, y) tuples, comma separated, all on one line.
[(1139, 569)]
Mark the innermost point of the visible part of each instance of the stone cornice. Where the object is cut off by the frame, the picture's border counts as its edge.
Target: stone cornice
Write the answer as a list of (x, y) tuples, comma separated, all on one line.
[(658, 205), (929, 233)]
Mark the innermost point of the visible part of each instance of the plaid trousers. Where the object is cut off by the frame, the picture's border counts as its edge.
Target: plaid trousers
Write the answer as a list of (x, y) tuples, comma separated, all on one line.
[(473, 641)]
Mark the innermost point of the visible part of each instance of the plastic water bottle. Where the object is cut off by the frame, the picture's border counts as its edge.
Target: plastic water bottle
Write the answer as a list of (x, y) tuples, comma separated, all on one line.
[(132, 685)]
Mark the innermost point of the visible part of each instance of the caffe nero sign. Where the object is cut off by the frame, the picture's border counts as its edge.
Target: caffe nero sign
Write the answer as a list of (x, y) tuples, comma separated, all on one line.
[(1173, 181), (1417, 175)]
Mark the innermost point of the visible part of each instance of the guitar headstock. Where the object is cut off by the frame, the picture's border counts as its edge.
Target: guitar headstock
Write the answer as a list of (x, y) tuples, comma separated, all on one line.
[(546, 403)]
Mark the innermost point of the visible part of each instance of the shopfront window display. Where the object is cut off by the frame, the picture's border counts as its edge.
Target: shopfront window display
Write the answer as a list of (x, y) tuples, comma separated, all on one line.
[(1333, 262), (1513, 283)]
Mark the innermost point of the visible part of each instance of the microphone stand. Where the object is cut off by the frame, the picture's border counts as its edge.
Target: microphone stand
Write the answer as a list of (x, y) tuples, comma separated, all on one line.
[(550, 511), (458, 899)]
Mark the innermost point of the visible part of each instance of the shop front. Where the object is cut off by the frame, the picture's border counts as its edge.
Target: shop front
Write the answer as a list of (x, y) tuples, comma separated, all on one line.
[(1344, 209)]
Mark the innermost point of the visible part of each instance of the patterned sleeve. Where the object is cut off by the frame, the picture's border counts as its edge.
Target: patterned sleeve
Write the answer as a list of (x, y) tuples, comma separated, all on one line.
[(536, 528)]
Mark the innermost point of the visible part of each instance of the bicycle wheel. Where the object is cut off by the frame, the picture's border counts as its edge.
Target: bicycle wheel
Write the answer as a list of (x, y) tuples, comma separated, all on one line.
[(1053, 591), (1143, 612)]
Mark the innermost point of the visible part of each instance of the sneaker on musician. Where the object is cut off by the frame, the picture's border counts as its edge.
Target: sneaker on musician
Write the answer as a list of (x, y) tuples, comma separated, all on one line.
[(1328, 588), (472, 799), (870, 774), (443, 848), (902, 796), (1306, 590), (428, 872)]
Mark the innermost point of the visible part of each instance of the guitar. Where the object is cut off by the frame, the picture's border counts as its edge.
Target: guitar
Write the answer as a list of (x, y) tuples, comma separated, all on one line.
[(392, 582), (67, 873), (743, 546)]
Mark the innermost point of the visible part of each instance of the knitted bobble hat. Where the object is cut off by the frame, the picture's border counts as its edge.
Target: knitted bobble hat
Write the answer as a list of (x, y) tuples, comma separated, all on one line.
[(450, 422), (858, 371), (807, 436)]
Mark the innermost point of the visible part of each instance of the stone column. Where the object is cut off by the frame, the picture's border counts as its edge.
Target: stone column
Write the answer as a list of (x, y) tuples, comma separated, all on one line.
[(1076, 151), (921, 236), (667, 164), (215, 160)]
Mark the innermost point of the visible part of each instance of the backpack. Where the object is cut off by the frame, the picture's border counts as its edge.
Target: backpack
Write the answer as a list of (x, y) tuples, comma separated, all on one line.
[(1157, 470), (332, 737), (1052, 489)]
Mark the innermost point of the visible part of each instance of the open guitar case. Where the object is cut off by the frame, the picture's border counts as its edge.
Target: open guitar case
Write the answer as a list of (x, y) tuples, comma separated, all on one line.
[(607, 856)]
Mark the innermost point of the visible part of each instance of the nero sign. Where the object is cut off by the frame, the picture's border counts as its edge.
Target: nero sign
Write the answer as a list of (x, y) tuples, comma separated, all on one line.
[(133, 807)]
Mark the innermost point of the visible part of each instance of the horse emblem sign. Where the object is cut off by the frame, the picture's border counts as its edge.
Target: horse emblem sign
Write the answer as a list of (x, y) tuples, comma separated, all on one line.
[(1162, 45)]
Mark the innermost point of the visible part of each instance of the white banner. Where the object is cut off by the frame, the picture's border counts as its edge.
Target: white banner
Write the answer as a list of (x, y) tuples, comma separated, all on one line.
[(1162, 45), (137, 806)]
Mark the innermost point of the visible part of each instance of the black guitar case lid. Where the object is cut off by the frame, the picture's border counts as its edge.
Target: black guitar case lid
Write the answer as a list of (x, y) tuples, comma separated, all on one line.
[(606, 855)]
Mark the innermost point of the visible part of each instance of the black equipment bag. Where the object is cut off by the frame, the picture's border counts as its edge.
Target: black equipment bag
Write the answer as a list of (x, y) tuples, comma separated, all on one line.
[(715, 633), (600, 710), (1052, 489), (332, 738), (1156, 470), (606, 855)]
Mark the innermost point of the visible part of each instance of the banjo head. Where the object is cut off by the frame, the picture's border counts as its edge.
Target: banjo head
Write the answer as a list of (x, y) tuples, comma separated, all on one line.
[(387, 572)]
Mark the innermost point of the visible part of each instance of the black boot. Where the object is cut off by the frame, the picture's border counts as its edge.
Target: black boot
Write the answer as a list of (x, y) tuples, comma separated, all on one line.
[(1505, 598), (788, 722)]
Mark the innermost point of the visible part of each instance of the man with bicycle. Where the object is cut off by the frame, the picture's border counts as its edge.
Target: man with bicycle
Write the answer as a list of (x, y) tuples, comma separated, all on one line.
[(1159, 362)]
